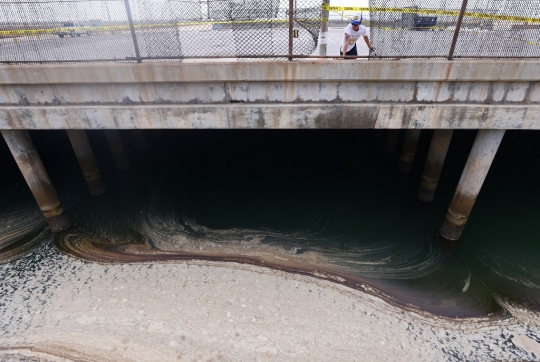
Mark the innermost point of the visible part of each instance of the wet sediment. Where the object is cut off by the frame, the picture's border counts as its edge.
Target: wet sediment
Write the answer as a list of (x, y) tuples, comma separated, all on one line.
[(55, 307), (83, 247)]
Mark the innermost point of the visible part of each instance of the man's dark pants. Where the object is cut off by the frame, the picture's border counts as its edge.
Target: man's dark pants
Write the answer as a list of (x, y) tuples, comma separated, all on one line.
[(350, 52)]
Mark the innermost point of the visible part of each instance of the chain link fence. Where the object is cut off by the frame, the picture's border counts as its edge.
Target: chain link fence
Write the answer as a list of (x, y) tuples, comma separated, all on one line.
[(58, 30), (101, 30), (456, 28), (172, 30)]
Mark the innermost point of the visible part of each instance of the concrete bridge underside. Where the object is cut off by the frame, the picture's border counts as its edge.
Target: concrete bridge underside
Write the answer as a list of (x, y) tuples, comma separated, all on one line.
[(491, 96)]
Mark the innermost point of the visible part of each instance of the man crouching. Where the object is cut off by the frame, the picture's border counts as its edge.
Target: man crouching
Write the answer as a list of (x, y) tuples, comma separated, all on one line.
[(353, 32)]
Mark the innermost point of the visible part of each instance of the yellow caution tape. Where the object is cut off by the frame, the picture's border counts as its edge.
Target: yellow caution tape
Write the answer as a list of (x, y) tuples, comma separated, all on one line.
[(97, 29), (344, 8), (477, 15), (438, 28), (36, 32)]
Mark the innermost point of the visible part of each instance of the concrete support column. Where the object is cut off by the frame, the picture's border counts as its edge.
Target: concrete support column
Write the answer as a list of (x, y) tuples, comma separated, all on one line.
[(140, 140), (482, 154), (87, 161), (117, 149), (5, 158), (408, 151), (36, 177), (434, 164), (390, 141)]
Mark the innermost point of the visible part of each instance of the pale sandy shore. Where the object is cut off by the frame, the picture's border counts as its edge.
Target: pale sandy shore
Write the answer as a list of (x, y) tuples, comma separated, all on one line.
[(56, 308)]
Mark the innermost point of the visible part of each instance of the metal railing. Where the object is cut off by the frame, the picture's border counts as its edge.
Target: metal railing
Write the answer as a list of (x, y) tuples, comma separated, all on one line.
[(59, 31)]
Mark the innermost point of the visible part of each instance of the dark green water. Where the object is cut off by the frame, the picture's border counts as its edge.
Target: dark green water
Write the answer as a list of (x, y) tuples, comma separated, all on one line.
[(326, 197)]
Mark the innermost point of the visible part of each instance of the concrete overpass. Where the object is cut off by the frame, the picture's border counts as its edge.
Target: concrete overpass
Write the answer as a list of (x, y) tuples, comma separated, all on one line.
[(491, 96), (418, 94)]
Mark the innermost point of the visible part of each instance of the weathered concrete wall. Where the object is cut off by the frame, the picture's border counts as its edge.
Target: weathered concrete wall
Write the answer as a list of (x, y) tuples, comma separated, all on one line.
[(315, 115), (303, 94), (273, 92)]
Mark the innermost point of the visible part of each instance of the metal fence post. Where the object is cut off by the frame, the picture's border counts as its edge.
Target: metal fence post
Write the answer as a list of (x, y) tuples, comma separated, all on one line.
[(132, 28), (291, 23), (323, 33), (456, 32)]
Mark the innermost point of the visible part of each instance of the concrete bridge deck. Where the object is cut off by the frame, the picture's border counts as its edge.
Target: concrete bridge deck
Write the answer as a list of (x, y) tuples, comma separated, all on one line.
[(414, 94)]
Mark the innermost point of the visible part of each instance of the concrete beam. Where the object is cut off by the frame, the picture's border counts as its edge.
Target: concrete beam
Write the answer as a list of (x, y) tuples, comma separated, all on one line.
[(308, 70), (474, 174), (87, 161), (269, 116), (305, 94), (434, 164), (261, 91), (25, 154), (117, 149), (408, 150)]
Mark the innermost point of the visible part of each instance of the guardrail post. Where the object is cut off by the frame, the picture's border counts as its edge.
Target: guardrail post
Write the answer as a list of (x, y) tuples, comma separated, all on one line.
[(291, 23), (132, 28), (456, 32), (323, 33)]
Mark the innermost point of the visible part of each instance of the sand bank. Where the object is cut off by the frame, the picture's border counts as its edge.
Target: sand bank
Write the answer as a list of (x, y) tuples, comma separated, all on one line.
[(54, 307)]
